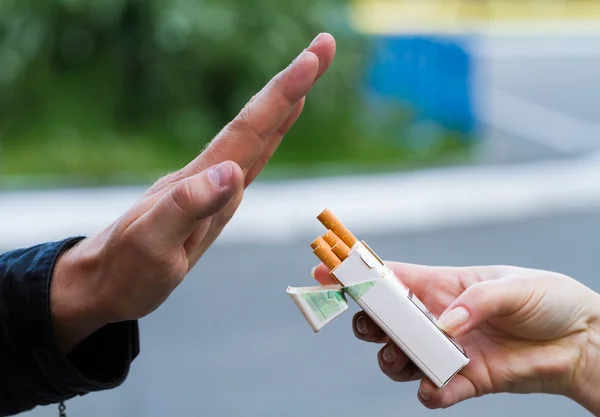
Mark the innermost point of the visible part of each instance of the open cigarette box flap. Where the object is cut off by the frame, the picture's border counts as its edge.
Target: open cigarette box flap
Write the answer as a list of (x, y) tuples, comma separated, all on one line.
[(374, 287)]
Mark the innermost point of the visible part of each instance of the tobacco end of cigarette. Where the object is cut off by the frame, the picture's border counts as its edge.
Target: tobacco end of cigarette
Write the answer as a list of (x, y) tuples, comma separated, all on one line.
[(328, 219), (323, 251), (331, 238), (317, 242), (341, 250)]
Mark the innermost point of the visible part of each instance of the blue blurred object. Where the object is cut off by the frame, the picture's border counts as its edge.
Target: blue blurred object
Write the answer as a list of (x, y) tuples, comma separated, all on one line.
[(429, 75)]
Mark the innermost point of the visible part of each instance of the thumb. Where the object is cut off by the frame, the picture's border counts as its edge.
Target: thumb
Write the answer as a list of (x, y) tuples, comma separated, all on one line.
[(484, 300), (181, 210)]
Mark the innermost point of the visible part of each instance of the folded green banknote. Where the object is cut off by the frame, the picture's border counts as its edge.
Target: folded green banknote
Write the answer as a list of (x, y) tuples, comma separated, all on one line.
[(321, 304)]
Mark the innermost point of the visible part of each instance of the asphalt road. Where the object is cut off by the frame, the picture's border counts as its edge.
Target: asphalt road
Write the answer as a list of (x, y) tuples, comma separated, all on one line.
[(230, 342)]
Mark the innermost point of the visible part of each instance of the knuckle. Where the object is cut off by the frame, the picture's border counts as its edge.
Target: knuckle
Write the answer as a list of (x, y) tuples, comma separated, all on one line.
[(276, 83), (243, 119), (277, 86), (165, 182), (479, 391), (243, 122), (520, 280), (263, 159), (479, 295), (182, 195), (159, 184), (470, 275)]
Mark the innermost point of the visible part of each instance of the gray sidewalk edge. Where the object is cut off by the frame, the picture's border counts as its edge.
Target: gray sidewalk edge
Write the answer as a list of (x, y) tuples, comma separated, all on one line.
[(285, 212)]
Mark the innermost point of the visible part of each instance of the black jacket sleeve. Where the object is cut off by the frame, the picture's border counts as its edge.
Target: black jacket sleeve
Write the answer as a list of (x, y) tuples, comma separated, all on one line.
[(33, 371)]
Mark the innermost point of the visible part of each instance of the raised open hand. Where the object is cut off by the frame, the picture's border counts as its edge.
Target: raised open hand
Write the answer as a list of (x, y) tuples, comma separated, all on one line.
[(129, 269)]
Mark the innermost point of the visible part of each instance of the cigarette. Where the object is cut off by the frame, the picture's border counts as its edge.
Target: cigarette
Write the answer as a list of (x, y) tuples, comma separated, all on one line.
[(337, 246), (317, 242), (323, 251), (331, 238), (331, 222), (341, 250)]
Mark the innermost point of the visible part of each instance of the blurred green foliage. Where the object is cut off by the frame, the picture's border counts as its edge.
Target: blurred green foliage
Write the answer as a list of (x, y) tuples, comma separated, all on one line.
[(92, 88)]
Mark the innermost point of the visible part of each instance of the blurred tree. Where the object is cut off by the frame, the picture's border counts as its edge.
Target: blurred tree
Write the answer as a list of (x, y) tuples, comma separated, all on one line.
[(90, 87), (180, 68)]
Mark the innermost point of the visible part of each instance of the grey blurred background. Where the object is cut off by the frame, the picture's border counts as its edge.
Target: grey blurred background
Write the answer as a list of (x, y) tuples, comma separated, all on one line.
[(475, 123)]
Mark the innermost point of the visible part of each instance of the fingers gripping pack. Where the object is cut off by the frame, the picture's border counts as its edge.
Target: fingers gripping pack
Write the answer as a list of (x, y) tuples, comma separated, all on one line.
[(363, 277)]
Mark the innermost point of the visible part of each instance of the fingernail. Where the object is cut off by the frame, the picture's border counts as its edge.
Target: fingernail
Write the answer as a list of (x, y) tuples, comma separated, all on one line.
[(361, 325), (315, 39), (221, 175), (453, 319), (389, 354), (312, 272), (424, 394)]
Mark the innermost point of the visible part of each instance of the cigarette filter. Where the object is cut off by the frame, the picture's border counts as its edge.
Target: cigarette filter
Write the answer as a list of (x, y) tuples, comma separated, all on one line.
[(378, 291), (339, 248), (325, 254)]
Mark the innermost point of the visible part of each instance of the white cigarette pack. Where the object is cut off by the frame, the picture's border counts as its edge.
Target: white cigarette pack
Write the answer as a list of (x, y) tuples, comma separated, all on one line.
[(376, 289)]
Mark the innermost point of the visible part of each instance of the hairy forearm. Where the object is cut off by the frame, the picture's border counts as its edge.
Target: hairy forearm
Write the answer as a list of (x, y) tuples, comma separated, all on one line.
[(74, 307)]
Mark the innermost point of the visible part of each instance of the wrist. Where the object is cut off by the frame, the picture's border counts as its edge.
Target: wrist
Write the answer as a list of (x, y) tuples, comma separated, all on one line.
[(74, 309), (586, 380)]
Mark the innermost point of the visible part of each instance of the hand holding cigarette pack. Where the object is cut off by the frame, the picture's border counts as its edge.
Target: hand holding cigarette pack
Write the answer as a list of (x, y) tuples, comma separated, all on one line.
[(376, 289)]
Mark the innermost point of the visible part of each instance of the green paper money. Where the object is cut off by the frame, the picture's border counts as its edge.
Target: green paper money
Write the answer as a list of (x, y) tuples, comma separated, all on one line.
[(325, 304), (322, 304), (358, 290)]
